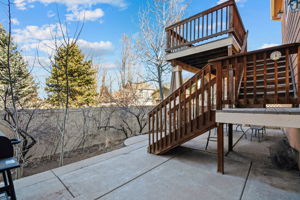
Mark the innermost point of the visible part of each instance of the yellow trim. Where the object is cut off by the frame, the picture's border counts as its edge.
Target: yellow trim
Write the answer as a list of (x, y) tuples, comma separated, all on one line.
[(276, 7)]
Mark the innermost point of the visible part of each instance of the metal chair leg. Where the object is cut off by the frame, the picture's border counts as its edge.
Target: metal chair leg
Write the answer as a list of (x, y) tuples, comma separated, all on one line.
[(207, 140), (5, 183)]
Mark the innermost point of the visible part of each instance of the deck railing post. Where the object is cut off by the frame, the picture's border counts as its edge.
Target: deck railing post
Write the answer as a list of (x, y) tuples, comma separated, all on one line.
[(220, 148), (219, 85)]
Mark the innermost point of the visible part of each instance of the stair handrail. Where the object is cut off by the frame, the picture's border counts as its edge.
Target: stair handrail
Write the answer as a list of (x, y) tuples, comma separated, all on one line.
[(185, 84), (184, 114)]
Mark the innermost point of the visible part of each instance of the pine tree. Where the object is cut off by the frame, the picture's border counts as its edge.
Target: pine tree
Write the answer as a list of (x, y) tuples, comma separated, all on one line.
[(25, 89), (81, 77)]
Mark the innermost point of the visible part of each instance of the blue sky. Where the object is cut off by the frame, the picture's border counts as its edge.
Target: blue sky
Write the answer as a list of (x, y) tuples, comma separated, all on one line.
[(107, 20)]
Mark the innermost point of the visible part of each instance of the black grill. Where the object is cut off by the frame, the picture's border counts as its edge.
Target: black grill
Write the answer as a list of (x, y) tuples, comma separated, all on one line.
[(6, 148), (7, 162)]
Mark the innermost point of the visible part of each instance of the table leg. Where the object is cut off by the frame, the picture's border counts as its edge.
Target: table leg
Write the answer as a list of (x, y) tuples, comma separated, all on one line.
[(11, 186)]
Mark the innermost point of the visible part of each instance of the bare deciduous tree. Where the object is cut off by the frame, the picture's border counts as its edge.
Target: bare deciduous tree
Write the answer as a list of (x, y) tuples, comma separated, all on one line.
[(67, 42), (151, 44), (16, 117)]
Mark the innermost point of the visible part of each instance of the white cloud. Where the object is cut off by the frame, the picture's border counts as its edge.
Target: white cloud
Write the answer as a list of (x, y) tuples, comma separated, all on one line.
[(268, 45), (91, 49), (24, 4), (51, 14), (85, 15), (46, 38), (237, 1), (106, 66), (34, 61), (20, 4), (32, 33), (95, 49), (15, 21)]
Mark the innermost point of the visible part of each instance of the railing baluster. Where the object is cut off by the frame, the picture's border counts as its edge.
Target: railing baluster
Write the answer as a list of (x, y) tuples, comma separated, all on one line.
[(180, 114), (197, 102), (219, 80), (202, 26), (174, 120), (153, 132), (202, 97), (221, 19), (170, 121), (207, 25), (237, 80), (276, 81), (157, 129), (228, 82), (186, 31), (217, 21), (184, 112), (211, 22), (190, 106), (265, 79), (198, 27), (254, 79), (209, 95), (161, 128), (190, 27), (149, 132), (245, 79), (287, 76), (166, 104), (195, 29), (177, 36), (227, 16)]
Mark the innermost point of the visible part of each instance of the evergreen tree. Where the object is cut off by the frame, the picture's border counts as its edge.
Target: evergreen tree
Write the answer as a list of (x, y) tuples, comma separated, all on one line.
[(69, 62), (25, 89)]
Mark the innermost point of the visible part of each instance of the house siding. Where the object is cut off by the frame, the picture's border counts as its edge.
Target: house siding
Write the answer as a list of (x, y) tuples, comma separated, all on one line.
[(291, 33)]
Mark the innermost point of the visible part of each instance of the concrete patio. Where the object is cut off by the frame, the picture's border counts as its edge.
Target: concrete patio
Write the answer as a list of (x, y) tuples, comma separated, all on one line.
[(187, 172)]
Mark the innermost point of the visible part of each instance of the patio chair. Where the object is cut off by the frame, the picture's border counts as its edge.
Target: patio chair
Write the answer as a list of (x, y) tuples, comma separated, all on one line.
[(258, 132)]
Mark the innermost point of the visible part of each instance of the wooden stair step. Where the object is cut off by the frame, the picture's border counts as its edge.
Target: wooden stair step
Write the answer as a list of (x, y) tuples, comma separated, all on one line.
[(268, 93)]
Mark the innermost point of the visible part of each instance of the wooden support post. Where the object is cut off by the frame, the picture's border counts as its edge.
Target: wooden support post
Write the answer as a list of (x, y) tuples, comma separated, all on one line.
[(220, 141), (230, 138)]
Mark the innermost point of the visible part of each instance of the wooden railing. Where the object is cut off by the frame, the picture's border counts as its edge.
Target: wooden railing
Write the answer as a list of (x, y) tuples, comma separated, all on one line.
[(219, 20), (254, 78), (184, 113)]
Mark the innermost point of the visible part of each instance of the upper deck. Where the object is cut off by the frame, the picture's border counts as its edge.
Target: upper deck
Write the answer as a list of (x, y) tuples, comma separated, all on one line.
[(206, 35)]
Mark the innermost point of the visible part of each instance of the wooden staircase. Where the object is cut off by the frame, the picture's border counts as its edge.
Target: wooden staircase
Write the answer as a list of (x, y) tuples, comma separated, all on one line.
[(246, 80), (186, 113)]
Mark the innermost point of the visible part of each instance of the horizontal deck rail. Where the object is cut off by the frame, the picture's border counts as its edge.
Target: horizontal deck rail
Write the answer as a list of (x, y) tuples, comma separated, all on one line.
[(219, 20)]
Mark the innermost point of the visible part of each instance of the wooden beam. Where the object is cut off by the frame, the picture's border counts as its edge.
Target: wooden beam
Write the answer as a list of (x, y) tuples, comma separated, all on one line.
[(185, 66), (220, 147)]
